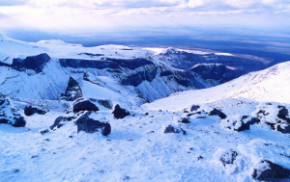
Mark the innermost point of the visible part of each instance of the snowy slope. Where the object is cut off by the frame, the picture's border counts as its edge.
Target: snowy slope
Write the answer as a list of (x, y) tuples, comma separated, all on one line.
[(271, 84)]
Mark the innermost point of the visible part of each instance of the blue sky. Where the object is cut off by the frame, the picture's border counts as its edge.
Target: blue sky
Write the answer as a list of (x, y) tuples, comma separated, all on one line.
[(69, 16)]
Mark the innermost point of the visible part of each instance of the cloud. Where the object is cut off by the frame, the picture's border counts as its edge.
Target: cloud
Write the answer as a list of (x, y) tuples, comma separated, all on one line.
[(65, 15)]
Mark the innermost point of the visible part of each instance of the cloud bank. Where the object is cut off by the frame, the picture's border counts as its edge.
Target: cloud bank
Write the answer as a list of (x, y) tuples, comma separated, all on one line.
[(97, 15)]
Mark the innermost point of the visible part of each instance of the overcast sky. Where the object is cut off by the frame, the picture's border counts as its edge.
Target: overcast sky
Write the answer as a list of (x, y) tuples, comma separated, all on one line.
[(100, 15)]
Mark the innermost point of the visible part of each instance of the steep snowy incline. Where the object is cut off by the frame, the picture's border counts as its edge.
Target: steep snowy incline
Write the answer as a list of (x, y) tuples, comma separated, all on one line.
[(271, 84)]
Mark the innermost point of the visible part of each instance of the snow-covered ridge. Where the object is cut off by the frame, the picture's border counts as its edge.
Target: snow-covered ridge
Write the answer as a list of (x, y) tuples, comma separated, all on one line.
[(271, 84)]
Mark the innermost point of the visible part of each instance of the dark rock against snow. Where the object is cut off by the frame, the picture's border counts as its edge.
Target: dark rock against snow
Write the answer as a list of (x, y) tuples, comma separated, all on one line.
[(30, 110), (88, 125), (9, 115), (184, 120), (239, 124), (283, 114), (194, 108), (60, 119), (217, 112), (120, 113), (171, 129), (36, 63), (85, 105), (268, 171), (73, 91)]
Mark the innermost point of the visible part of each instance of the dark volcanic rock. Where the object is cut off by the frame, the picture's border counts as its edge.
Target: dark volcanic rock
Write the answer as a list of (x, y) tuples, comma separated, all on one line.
[(59, 119), (194, 108), (73, 91), (120, 113), (171, 129), (9, 115), (268, 171), (36, 63), (85, 105), (184, 120), (283, 114), (285, 130), (88, 125), (137, 78), (30, 110), (217, 112)]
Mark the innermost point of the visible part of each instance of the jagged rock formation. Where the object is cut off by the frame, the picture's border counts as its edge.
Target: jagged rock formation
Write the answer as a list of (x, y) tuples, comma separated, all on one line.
[(73, 91)]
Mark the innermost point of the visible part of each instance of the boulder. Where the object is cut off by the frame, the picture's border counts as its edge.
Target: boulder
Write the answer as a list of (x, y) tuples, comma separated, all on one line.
[(268, 171), (171, 129), (10, 115), (59, 119), (194, 108), (84, 105), (283, 114), (217, 112), (120, 113), (30, 110), (88, 125), (73, 91), (184, 120)]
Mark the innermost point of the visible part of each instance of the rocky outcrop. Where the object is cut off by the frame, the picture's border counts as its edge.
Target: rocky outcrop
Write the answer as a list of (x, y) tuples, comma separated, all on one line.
[(171, 129), (266, 170), (73, 91), (35, 63), (88, 125), (84, 105), (30, 110), (218, 113), (10, 115), (120, 113)]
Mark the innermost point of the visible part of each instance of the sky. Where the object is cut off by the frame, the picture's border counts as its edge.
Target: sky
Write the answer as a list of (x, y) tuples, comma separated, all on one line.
[(76, 16)]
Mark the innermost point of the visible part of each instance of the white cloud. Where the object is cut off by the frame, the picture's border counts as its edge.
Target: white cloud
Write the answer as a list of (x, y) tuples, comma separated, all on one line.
[(101, 14)]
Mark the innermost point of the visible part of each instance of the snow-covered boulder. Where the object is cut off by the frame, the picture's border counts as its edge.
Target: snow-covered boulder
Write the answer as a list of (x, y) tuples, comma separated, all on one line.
[(58, 121), (274, 116), (10, 115), (89, 125), (268, 171), (238, 123)]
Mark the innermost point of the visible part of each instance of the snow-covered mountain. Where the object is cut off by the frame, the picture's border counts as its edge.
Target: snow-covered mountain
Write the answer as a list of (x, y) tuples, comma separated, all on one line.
[(71, 113), (41, 70)]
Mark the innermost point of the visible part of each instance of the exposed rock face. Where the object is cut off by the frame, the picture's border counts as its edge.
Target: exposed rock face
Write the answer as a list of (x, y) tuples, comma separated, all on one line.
[(85, 105), (9, 115), (30, 110), (88, 125), (184, 120), (217, 112), (268, 171), (120, 113), (35, 63), (137, 78), (73, 91), (57, 123)]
